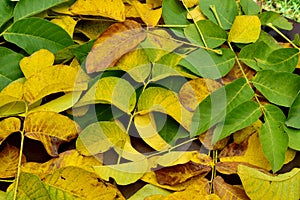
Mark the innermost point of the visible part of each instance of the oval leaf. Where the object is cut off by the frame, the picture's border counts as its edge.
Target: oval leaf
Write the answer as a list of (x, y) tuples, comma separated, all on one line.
[(294, 114)]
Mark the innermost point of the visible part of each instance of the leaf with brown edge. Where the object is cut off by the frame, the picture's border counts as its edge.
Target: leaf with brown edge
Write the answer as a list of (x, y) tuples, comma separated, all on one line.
[(180, 173), (9, 126), (9, 158), (227, 191), (51, 128), (111, 45)]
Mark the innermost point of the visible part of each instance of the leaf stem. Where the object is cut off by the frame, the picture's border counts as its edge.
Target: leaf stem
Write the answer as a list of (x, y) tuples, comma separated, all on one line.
[(282, 35), (6, 181), (171, 26), (214, 10), (213, 171)]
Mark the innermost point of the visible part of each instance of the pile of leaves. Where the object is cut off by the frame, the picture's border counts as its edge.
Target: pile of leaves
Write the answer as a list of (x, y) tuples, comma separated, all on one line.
[(174, 94)]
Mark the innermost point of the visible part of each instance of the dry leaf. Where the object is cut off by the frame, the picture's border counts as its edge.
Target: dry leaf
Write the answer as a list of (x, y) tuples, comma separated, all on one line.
[(114, 9), (117, 40)]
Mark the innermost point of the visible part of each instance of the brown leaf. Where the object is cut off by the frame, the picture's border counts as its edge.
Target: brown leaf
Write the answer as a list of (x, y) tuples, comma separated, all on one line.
[(226, 191), (236, 73), (117, 40), (180, 173)]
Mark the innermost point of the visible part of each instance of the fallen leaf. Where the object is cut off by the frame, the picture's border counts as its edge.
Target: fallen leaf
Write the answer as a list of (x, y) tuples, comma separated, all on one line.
[(154, 3), (114, 9), (67, 23), (9, 159), (117, 40), (9, 126), (149, 16), (51, 128)]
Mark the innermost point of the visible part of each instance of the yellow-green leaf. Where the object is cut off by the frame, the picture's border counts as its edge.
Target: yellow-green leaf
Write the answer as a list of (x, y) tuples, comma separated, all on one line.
[(9, 126), (114, 9), (245, 29), (125, 173), (51, 129), (110, 90), (259, 185), (60, 78)]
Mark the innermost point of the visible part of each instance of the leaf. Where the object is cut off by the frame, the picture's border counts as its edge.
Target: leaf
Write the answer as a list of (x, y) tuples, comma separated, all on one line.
[(227, 191), (245, 29), (32, 34), (10, 69), (225, 10), (269, 83), (294, 139), (6, 10), (294, 114), (196, 14), (249, 7), (111, 90), (272, 136), (65, 159), (214, 107), (9, 126), (148, 190), (67, 23), (113, 9), (26, 8), (9, 158), (37, 62), (213, 34), (275, 19), (106, 50), (51, 128), (92, 28), (259, 185), (238, 72), (240, 117), (195, 91), (99, 137), (82, 184), (60, 78), (213, 66), (163, 100), (125, 173)]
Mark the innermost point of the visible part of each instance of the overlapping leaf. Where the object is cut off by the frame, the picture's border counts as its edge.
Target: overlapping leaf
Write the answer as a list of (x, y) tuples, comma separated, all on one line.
[(294, 112)]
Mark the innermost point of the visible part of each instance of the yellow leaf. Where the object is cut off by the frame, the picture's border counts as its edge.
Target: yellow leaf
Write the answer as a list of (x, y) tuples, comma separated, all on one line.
[(51, 129), (154, 3), (194, 91), (149, 16), (110, 90), (67, 23), (9, 158), (190, 3), (145, 124), (83, 184), (92, 28), (130, 10), (60, 78), (65, 159), (36, 63), (9, 126), (259, 185), (125, 173), (14, 89), (196, 14), (245, 29), (113, 9), (116, 41), (166, 101)]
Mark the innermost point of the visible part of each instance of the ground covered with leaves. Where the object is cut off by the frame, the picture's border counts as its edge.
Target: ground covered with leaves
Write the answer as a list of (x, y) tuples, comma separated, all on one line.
[(123, 99)]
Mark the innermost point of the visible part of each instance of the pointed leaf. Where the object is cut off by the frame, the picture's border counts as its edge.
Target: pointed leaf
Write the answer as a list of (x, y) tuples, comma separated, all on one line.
[(269, 83), (9, 126), (111, 90), (51, 128), (125, 173), (213, 34), (32, 34), (6, 10), (149, 16), (272, 136), (117, 40), (214, 108), (249, 7), (283, 186), (294, 114), (275, 19), (26, 8), (245, 29), (114, 9)]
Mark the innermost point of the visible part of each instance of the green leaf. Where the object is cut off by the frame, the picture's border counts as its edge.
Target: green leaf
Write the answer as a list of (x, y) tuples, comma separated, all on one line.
[(226, 10), (294, 114), (32, 34), (6, 10), (249, 7), (212, 65), (294, 138), (273, 139), (276, 19), (213, 108), (240, 117), (280, 88), (26, 8), (149, 190), (213, 34), (4, 81), (82, 50)]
